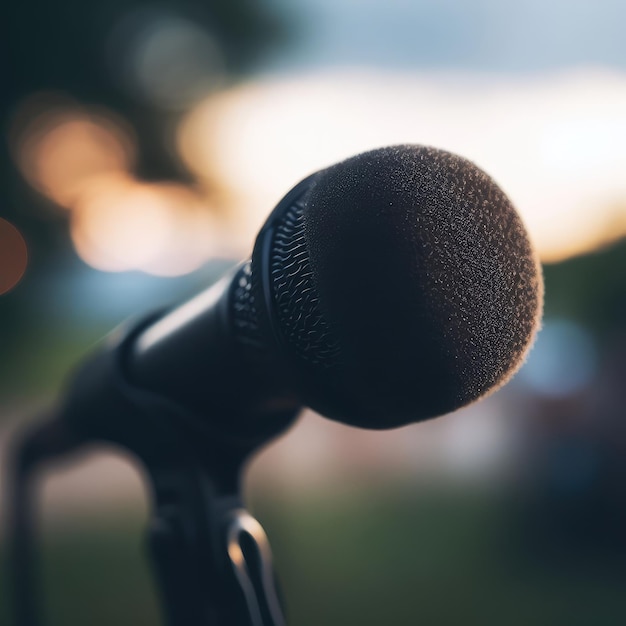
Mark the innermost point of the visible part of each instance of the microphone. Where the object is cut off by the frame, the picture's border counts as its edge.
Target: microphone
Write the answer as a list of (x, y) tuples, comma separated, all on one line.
[(390, 288), (395, 286)]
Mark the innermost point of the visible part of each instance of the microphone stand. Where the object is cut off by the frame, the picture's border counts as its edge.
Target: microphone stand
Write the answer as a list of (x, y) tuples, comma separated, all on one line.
[(211, 558)]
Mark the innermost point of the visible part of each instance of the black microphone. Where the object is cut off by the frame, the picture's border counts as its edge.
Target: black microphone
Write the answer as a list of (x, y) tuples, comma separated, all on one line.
[(393, 287)]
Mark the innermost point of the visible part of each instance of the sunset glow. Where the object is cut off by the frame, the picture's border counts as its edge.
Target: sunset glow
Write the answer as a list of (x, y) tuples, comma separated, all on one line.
[(554, 143)]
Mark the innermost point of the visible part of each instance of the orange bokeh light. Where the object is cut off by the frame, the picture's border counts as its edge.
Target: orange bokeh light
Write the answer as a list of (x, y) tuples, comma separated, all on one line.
[(83, 159), (58, 146), (13, 256)]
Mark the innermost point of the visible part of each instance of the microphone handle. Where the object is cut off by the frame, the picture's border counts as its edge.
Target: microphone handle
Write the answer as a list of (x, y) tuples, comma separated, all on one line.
[(193, 355)]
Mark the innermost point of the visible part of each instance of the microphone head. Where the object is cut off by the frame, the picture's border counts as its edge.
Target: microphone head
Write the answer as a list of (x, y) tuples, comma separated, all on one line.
[(399, 285)]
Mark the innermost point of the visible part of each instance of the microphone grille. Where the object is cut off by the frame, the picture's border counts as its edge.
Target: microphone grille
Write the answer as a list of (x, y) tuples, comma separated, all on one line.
[(245, 310), (395, 286), (295, 292)]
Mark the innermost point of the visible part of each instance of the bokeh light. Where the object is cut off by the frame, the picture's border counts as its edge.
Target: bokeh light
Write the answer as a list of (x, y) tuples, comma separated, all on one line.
[(122, 224), (59, 145), (83, 159), (13, 256)]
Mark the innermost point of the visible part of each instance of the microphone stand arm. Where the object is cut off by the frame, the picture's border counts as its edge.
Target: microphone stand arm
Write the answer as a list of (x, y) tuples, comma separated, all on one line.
[(211, 558)]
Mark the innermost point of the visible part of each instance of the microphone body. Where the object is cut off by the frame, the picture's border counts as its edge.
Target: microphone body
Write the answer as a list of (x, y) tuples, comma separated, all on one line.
[(212, 355), (204, 364), (193, 356), (390, 288)]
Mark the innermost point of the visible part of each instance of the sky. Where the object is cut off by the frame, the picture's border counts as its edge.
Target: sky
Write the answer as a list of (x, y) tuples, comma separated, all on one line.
[(476, 35)]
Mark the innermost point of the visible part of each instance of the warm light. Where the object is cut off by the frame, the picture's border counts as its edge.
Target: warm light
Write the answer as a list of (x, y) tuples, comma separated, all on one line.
[(13, 256), (82, 159), (554, 143), (121, 224), (118, 225), (58, 146)]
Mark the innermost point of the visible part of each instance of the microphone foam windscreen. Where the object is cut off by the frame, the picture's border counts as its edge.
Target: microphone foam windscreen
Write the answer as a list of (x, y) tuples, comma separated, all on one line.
[(425, 278)]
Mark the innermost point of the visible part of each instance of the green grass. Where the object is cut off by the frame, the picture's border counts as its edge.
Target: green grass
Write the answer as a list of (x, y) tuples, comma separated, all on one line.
[(42, 364), (369, 557), (445, 559)]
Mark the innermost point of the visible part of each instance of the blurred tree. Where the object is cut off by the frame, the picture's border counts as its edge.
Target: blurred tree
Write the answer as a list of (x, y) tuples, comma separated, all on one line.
[(591, 290), (65, 46)]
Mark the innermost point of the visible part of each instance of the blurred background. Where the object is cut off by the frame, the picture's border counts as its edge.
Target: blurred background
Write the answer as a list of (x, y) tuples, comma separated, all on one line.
[(143, 144)]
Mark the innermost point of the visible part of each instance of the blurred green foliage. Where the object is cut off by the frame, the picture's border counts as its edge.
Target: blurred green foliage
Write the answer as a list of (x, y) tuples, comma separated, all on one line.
[(590, 289), (387, 555), (63, 46)]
